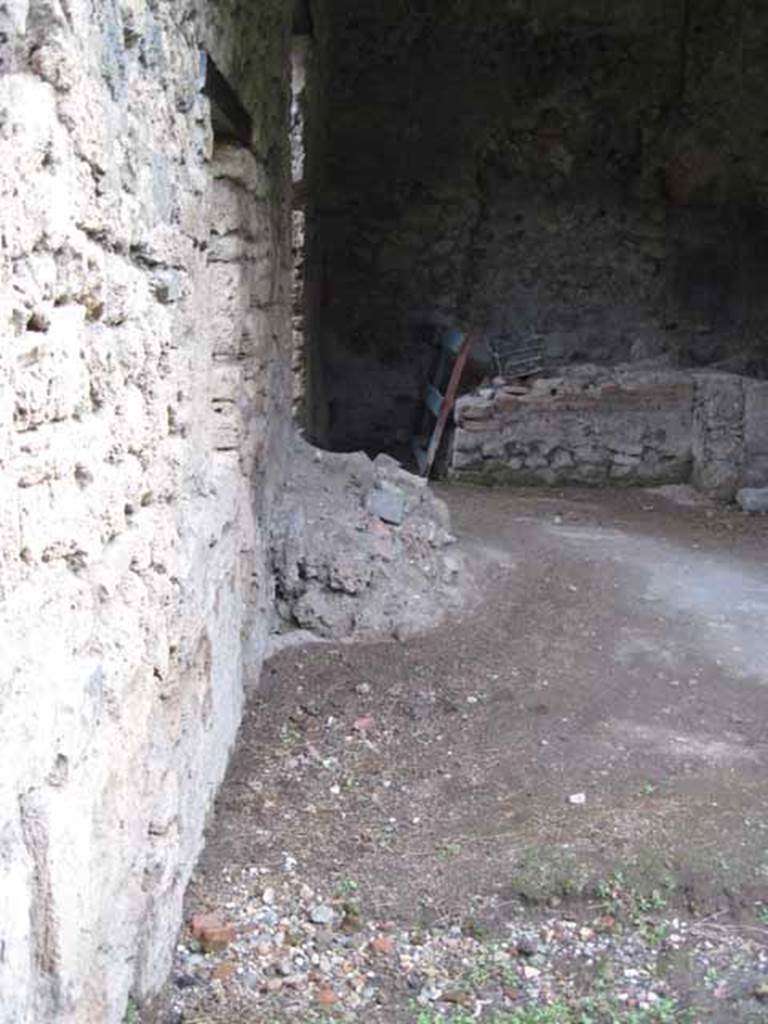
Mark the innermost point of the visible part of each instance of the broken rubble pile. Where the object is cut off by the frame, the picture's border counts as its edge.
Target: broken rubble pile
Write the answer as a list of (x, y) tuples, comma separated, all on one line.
[(363, 548)]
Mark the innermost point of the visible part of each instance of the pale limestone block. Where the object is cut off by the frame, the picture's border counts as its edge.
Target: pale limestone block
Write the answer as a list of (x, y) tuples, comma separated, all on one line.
[(235, 164), (56, 522), (51, 378), (225, 383), (226, 426)]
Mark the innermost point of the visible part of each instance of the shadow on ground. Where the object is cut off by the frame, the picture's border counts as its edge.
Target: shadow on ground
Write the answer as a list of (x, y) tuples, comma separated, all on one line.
[(551, 810)]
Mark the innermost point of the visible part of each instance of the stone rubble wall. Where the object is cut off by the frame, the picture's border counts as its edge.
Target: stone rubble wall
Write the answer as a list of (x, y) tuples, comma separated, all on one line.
[(144, 417), (625, 425)]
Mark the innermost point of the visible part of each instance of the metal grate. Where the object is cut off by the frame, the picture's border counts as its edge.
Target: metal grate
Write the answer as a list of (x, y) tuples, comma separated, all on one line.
[(516, 355)]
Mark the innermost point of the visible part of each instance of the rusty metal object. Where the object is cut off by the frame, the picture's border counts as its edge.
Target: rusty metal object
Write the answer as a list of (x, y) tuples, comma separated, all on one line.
[(441, 405)]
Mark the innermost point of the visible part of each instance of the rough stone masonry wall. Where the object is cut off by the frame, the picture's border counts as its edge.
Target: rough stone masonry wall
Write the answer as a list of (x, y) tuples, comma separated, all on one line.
[(622, 425), (591, 173), (144, 408)]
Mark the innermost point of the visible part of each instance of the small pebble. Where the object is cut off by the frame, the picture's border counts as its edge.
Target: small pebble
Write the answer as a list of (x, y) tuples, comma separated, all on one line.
[(527, 946), (321, 914)]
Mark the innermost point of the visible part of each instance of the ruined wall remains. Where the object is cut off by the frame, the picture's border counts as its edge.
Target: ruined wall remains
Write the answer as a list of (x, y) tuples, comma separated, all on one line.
[(621, 425), (595, 175), (315, 127), (301, 97), (144, 408), (588, 427), (756, 434)]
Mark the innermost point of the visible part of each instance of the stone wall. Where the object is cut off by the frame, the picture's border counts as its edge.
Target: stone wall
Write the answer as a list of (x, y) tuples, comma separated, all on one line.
[(730, 436), (144, 412), (592, 174), (624, 425), (301, 111), (316, 127), (756, 434)]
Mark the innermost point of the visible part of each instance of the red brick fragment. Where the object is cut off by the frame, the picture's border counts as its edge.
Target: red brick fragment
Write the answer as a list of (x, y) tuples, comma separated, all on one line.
[(383, 944), (200, 922), (326, 996), (213, 940), (211, 932)]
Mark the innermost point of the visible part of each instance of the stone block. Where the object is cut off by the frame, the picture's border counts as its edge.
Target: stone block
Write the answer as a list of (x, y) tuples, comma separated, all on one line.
[(718, 433), (133, 13), (168, 286), (626, 448), (590, 456), (755, 433), (235, 164), (470, 408), (717, 478), (509, 403), (755, 472), (753, 499), (225, 382), (756, 416), (226, 427), (388, 503), (466, 460), (325, 613), (466, 441), (588, 474), (561, 459), (52, 382), (58, 521), (480, 427), (494, 449)]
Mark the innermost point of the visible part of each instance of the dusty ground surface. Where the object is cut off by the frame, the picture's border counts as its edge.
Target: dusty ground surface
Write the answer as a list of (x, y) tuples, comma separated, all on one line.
[(552, 811)]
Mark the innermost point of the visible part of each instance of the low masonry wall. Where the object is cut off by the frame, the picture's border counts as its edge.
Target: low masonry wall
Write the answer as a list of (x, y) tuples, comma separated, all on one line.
[(624, 425)]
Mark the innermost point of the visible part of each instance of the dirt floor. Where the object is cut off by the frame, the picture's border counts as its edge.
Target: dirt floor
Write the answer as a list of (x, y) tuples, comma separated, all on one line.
[(551, 810)]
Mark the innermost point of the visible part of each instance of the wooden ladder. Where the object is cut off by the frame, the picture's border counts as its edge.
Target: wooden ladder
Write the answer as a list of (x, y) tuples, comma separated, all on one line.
[(455, 347)]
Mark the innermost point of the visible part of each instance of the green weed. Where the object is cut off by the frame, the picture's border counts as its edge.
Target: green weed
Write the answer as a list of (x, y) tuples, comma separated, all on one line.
[(131, 1015)]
